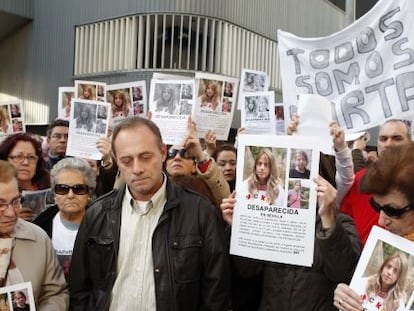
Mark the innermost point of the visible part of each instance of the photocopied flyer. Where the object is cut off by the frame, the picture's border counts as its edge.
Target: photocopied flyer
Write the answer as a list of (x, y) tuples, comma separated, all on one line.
[(65, 95), (88, 122), (257, 113), (274, 215), (171, 103), (11, 117), (387, 259), (215, 104), (17, 297)]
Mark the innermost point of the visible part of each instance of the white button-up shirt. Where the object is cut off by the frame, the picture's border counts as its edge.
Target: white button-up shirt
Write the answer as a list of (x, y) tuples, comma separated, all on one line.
[(134, 287)]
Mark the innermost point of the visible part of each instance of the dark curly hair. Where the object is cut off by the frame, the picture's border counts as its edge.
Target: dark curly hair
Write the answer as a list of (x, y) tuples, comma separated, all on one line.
[(41, 178)]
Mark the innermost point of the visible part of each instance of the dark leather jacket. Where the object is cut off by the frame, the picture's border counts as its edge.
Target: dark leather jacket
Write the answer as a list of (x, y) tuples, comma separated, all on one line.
[(191, 269)]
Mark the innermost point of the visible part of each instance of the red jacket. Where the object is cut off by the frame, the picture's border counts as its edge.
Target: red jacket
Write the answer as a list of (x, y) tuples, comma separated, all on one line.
[(357, 205)]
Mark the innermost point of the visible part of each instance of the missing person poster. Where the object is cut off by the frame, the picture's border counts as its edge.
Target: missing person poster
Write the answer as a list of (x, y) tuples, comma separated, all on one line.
[(17, 297), (274, 215), (171, 103), (11, 117), (89, 121), (215, 104), (387, 260)]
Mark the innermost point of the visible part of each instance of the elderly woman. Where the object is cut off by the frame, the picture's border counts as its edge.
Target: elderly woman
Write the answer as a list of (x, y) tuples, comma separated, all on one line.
[(73, 182), (189, 159), (24, 152), (390, 181)]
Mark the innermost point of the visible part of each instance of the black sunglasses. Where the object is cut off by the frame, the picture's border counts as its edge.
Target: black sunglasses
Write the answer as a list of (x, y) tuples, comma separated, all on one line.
[(77, 189), (389, 210), (182, 152)]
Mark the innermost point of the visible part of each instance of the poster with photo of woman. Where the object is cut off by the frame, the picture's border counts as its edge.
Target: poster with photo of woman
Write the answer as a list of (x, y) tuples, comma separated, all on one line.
[(384, 276), (268, 223)]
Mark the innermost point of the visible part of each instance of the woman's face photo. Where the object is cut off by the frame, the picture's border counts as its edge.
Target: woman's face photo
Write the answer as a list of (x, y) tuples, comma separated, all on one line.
[(86, 93), (118, 100), (297, 186), (14, 109), (228, 88), (390, 273), (187, 91), (210, 91), (137, 92), (166, 95), (300, 162), (251, 105), (262, 168), (84, 113)]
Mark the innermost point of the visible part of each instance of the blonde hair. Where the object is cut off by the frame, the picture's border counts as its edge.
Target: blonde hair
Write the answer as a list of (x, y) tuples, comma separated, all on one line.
[(4, 119), (272, 183), (125, 103), (215, 99), (90, 89), (397, 292)]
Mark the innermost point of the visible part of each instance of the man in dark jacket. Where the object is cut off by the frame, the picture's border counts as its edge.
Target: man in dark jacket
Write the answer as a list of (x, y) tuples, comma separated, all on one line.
[(151, 245)]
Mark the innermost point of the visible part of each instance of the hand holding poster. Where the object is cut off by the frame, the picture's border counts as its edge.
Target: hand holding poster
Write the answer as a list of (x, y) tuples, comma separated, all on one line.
[(275, 223), (366, 69)]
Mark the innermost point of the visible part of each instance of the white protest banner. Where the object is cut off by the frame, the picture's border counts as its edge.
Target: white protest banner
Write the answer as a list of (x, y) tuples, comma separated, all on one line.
[(366, 70)]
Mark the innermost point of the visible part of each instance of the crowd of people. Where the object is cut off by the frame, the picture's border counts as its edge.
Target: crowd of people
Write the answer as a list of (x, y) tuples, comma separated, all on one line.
[(154, 221)]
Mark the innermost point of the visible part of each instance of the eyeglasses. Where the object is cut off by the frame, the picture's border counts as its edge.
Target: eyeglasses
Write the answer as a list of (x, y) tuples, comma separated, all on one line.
[(21, 157), (79, 189), (15, 203), (389, 210), (182, 152), (59, 136)]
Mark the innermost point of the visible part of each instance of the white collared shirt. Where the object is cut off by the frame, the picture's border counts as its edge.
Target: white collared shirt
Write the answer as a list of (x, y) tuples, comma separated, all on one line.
[(134, 287)]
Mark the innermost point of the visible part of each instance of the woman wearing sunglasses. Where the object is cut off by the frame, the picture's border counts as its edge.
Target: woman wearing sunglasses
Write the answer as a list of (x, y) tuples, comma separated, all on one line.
[(189, 159), (390, 180), (73, 181)]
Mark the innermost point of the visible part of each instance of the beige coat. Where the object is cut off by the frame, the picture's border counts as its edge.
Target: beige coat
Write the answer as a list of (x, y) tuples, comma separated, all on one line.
[(216, 181), (36, 260)]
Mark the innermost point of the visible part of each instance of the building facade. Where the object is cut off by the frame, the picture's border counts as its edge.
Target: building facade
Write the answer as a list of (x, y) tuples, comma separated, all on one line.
[(45, 44)]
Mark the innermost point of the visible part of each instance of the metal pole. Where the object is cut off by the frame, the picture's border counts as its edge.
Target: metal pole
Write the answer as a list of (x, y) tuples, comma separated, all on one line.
[(349, 12)]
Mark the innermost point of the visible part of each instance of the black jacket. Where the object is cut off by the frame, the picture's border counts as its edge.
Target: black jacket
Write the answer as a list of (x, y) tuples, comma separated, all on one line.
[(45, 219), (191, 269), (296, 288)]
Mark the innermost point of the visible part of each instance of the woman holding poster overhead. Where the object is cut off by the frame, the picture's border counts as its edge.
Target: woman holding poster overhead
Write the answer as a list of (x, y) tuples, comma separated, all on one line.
[(390, 180)]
